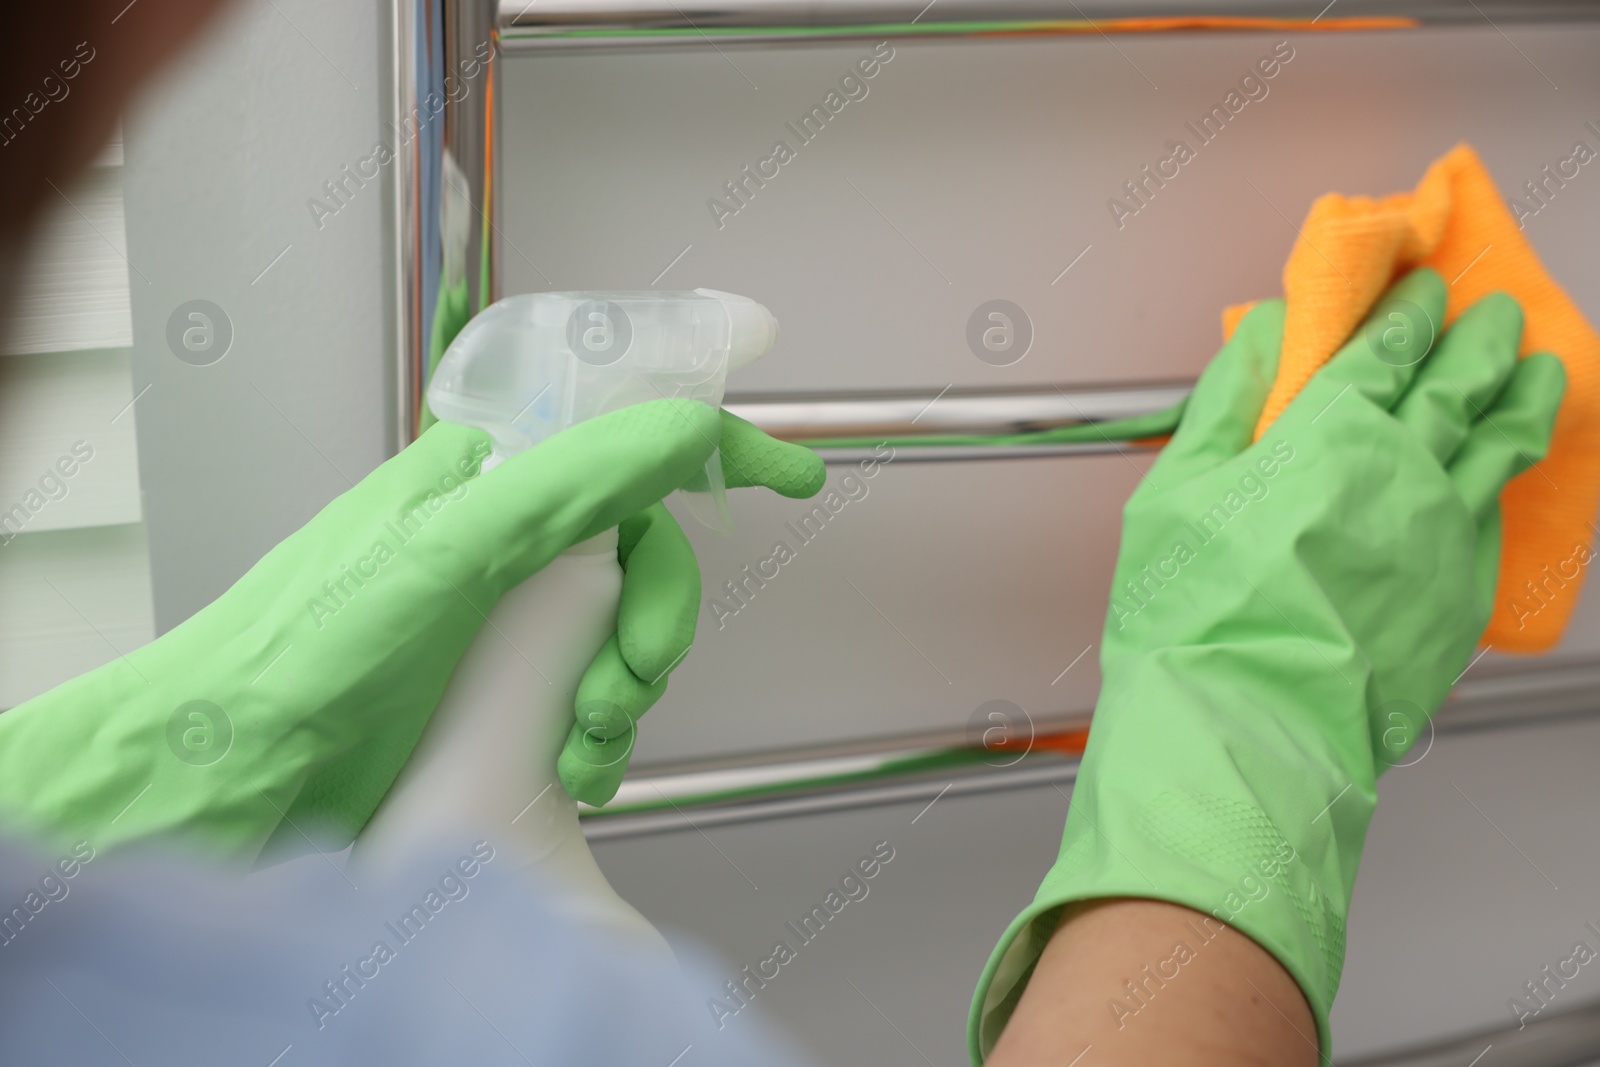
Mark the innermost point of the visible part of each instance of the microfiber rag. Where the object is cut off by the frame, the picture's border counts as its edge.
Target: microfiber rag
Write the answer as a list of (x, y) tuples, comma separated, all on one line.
[(1455, 221)]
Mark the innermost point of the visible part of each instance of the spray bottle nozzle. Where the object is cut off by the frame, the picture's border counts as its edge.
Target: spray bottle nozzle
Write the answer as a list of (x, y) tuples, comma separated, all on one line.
[(530, 366)]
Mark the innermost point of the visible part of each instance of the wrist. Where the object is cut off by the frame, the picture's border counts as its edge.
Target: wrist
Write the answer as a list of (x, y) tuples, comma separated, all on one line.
[(1143, 981), (1250, 804)]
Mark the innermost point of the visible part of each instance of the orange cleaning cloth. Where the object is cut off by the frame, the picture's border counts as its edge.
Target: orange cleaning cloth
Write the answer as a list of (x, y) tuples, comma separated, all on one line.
[(1348, 253)]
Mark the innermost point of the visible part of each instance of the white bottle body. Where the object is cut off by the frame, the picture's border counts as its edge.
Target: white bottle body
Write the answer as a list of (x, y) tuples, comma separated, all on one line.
[(485, 767)]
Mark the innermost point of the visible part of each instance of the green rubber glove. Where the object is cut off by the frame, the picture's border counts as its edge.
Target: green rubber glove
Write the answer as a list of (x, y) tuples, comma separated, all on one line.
[(286, 707), (659, 608), (1284, 617)]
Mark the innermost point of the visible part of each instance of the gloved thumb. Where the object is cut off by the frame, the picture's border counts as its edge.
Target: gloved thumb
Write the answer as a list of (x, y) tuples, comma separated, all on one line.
[(1220, 418), (584, 480), (750, 458)]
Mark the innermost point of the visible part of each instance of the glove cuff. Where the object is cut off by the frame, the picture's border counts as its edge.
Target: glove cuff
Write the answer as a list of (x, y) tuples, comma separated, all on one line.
[(1258, 829)]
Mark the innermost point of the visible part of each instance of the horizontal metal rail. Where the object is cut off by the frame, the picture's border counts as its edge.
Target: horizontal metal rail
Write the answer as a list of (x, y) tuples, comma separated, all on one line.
[(797, 417), (791, 784), (982, 453), (667, 23), (919, 419), (1567, 1039), (978, 780)]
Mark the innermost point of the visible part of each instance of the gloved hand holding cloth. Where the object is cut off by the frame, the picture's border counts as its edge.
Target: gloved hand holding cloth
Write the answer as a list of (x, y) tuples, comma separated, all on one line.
[(1286, 613)]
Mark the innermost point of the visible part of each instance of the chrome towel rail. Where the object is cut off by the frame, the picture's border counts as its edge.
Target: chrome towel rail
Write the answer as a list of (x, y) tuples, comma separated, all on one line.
[(801, 417), (792, 783), (1566, 1039), (444, 109), (934, 426), (666, 23)]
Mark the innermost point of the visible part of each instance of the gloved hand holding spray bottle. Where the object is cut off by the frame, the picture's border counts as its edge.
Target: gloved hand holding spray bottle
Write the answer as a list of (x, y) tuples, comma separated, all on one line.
[(524, 369)]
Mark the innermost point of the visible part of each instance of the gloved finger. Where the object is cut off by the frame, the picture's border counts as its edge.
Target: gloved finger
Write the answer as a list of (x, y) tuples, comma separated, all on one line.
[(660, 593), (752, 458), (1464, 375), (1486, 564), (1513, 436), (655, 627), (1219, 420), (611, 697), (591, 768), (1382, 357), (584, 480), (658, 610)]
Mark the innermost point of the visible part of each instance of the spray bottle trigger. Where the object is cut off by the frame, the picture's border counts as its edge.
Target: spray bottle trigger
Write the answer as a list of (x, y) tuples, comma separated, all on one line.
[(708, 500)]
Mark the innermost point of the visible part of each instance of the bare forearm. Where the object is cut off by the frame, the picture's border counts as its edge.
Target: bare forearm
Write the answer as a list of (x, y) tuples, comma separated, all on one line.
[(1138, 982)]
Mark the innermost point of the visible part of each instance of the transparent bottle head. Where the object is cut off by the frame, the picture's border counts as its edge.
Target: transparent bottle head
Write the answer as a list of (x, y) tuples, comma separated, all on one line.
[(530, 366)]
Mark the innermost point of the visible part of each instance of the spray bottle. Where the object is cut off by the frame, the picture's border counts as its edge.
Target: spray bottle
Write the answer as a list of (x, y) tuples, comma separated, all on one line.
[(523, 369)]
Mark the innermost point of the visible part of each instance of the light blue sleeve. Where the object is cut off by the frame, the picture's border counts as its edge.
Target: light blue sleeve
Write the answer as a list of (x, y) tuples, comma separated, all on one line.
[(151, 960)]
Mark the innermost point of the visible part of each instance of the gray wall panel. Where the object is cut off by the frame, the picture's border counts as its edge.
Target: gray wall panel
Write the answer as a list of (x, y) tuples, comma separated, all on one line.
[(913, 946), (944, 586), (1450, 917), (1464, 895), (222, 162), (980, 169)]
